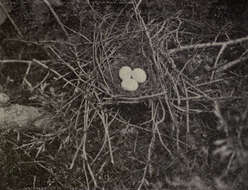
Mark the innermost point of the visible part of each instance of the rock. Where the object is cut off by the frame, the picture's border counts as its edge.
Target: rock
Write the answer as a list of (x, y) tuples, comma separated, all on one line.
[(22, 117), (4, 98)]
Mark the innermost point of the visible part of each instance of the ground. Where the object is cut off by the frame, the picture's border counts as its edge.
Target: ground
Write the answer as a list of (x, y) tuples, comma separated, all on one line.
[(185, 128)]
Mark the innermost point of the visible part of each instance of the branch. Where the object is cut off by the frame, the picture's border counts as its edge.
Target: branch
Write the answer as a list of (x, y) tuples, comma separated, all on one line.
[(206, 45)]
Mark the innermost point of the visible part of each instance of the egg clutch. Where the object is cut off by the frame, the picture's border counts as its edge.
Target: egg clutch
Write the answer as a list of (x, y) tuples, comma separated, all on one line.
[(131, 78)]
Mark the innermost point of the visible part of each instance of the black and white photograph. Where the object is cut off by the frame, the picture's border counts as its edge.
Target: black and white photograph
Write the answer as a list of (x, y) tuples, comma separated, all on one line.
[(123, 95)]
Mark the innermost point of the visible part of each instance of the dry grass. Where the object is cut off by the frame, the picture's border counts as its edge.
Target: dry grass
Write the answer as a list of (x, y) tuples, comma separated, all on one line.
[(158, 137)]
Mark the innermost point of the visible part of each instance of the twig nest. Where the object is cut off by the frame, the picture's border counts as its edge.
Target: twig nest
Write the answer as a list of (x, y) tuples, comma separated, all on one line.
[(125, 72), (129, 85), (139, 75)]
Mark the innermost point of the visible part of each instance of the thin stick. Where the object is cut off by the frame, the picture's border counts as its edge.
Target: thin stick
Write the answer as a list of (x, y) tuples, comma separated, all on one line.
[(82, 139), (56, 17), (11, 20), (217, 60), (230, 64), (106, 124), (151, 145), (187, 107), (206, 45)]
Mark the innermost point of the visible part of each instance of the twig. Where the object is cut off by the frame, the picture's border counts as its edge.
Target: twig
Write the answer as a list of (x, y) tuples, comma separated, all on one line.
[(230, 64), (82, 142), (187, 106), (217, 59), (149, 154), (97, 62), (11, 20), (56, 17), (157, 129), (79, 34), (150, 41), (120, 97), (206, 45), (59, 75), (106, 124), (17, 61), (51, 173), (85, 174), (92, 175)]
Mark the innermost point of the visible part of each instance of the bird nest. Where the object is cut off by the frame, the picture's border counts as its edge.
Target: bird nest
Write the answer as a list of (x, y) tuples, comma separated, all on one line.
[(111, 82)]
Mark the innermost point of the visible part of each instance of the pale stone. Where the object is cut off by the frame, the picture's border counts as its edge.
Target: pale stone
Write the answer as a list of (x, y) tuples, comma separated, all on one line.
[(20, 117), (4, 98)]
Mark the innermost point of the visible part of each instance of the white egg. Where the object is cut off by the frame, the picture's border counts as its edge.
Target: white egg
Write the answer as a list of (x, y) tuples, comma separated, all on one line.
[(125, 72), (129, 85), (139, 75)]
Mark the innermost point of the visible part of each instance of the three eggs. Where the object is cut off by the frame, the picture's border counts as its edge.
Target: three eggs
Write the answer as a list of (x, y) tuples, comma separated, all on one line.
[(131, 78)]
